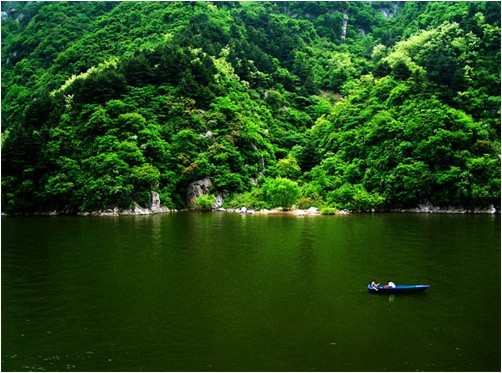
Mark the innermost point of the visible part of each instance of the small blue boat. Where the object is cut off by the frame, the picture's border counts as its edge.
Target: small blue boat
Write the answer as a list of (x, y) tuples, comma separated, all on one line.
[(398, 289)]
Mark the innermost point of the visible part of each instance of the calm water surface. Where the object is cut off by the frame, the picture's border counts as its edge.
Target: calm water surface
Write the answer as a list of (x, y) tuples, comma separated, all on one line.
[(225, 292)]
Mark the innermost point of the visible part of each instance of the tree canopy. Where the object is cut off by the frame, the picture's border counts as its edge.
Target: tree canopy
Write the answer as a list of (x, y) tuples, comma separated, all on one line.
[(357, 105)]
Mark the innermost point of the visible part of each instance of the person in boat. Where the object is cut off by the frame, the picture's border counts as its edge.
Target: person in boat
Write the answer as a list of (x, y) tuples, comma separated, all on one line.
[(374, 285), (390, 284)]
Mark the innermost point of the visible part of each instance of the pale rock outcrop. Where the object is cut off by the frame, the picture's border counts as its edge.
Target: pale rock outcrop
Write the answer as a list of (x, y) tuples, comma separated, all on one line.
[(219, 200), (427, 207), (198, 188), (138, 210), (344, 27), (155, 206), (313, 210)]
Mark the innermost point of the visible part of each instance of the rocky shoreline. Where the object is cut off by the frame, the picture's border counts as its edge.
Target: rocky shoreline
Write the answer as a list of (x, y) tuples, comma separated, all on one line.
[(312, 211), (142, 211), (430, 209), (156, 208)]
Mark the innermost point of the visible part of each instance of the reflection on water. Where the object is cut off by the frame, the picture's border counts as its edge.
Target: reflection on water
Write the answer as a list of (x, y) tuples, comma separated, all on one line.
[(194, 291)]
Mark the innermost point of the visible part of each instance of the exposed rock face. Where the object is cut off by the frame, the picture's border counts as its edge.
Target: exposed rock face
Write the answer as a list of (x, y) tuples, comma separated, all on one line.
[(138, 210), (313, 210), (209, 135), (198, 188), (344, 27), (219, 200), (155, 206)]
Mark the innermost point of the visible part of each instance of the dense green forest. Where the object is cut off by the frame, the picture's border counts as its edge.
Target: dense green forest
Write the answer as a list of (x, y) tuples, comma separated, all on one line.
[(353, 105)]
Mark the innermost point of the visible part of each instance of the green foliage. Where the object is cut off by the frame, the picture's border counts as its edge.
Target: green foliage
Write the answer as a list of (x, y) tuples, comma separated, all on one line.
[(280, 192), (251, 200), (205, 202), (354, 197), (288, 167), (329, 211), (365, 105)]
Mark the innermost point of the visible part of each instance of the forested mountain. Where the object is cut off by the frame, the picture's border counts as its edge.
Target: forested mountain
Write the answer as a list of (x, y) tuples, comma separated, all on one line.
[(357, 105)]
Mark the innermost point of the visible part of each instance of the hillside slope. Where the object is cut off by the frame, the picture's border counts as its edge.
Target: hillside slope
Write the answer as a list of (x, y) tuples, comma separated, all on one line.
[(363, 105)]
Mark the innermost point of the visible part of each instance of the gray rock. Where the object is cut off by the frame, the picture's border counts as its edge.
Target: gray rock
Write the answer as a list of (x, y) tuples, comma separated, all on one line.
[(155, 204), (198, 188), (313, 210), (219, 201)]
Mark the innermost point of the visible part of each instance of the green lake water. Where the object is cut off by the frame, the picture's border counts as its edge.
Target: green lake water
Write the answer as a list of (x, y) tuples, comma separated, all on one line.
[(224, 292)]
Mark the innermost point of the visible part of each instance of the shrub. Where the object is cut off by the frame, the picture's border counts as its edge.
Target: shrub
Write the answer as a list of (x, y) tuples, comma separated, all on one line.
[(329, 211), (281, 192), (247, 199), (205, 202), (354, 197), (306, 202)]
